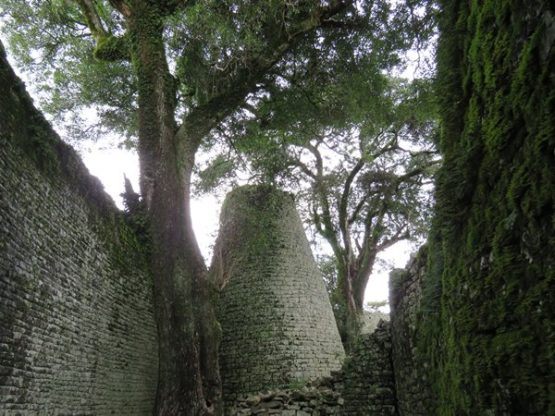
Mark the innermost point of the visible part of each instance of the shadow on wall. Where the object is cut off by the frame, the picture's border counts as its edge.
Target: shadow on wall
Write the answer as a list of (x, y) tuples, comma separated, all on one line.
[(76, 314)]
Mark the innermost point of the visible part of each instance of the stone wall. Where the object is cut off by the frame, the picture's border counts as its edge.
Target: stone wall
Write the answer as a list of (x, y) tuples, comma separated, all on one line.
[(369, 383), (77, 331), (319, 399), (278, 325), (364, 387), (412, 385), (490, 341)]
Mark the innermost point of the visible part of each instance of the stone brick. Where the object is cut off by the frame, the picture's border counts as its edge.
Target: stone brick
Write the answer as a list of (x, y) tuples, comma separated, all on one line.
[(278, 325), (413, 391), (76, 318), (369, 382)]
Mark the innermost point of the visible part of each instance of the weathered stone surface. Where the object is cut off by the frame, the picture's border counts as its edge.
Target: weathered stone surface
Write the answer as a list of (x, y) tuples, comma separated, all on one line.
[(77, 331), (488, 319), (364, 387), (369, 384), (412, 385), (278, 326), (371, 320), (314, 399)]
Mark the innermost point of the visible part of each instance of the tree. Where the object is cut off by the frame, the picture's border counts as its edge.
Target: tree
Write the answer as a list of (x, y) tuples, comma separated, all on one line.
[(362, 150), (168, 72)]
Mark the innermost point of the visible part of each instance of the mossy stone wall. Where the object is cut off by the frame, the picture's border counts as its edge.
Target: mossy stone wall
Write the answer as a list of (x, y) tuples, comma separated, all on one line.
[(77, 329), (277, 321), (414, 395), (368, 377), (490, 336)]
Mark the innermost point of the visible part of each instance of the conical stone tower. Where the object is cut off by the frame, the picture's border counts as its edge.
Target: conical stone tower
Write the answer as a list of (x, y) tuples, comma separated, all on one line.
[(277, 321)]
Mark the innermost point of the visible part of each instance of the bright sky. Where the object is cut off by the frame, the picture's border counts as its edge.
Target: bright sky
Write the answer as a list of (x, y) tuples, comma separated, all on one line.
[(110, 164)]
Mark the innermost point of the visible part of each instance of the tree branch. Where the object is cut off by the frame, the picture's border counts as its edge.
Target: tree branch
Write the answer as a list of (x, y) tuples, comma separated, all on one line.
[(343, 204), (358, 208), (121, 6), (93, 19), (401, 234), (415, 172), (371, 236), (304, 168), (325, 219), (240, 81)]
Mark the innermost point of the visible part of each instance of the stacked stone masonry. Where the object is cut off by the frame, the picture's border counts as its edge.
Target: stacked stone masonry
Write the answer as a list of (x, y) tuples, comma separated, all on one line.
[(369, 383), (321, 400), (77, 329), (278, 325), (412, 385), (364, 387)]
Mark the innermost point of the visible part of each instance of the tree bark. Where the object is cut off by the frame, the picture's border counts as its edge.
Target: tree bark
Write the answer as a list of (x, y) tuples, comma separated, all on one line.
[(349, 297), (347, 314), (182, 302), (189, 334)]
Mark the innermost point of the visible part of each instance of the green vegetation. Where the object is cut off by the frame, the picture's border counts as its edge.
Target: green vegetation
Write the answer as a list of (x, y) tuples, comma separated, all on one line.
[(280, 82), (355, 146), (491, 338), (165, 74), (360, 168)]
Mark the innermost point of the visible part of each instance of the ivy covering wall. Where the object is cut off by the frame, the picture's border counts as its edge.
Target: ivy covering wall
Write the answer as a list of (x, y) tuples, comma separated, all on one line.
[(488, 308)]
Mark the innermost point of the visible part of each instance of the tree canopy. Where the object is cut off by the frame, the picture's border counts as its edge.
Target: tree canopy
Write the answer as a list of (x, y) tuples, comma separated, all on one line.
[(359, 154), (166, 74), (77, 52)]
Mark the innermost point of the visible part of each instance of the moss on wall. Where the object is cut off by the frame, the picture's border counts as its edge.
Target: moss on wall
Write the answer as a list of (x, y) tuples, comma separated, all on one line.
[(368, 380), (77, 326), (412, 381), (490, 290)]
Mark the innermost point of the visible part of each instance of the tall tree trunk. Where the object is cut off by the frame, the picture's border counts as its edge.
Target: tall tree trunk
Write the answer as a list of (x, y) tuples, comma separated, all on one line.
[(353, 316), (185, 316), (349, 300), (347, 314)]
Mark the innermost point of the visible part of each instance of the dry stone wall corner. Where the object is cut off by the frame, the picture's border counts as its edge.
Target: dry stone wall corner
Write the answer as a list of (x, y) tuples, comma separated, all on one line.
[(413, 390)]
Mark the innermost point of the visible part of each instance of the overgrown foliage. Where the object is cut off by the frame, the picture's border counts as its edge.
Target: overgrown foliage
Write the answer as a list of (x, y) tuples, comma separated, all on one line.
[(165, 73), (491, 331), (359, 152)]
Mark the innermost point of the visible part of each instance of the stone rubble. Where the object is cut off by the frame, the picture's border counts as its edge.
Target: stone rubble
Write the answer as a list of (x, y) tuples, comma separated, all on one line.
[(364, 387)]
